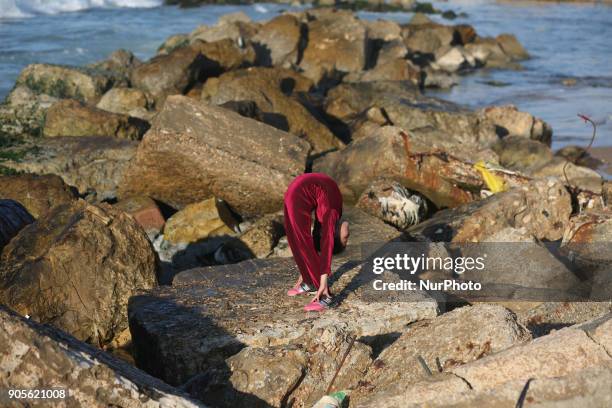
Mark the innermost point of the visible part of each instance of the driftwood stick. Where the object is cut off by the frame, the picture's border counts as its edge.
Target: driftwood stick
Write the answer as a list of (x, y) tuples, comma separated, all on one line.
[(346, 353)]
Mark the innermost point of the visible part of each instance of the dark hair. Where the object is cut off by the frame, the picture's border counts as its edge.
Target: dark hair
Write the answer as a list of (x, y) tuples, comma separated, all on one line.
[(316, 235)]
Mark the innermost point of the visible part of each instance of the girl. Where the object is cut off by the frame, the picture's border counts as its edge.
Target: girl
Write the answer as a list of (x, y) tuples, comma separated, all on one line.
[(312, 251)]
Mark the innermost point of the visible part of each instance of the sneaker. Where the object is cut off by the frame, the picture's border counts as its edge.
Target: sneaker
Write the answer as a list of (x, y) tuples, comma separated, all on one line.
[(299, 290), (319, 306)]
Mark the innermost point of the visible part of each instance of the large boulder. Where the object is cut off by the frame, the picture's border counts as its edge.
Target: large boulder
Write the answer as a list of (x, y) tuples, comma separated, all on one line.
[(427, 38), (24, 112), (195, 151), (522, 206), (65, 82), (76, 267), (461, 336), (512, 122), (279, 41), (239, 31), (173, 73), (299, 371), (224, 55), (198, 221), (125, 100), (271, 89), (37, 193), (405, 107), (571, 367), (118, 65), (94, 165), (13, 217), (262, 237), (426, 162), (210, 313), (35, 356), (522, 154), (337, 44), (69, 117)]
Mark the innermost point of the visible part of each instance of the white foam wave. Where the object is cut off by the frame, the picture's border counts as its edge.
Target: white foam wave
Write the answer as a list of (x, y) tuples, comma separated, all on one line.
[(29, 8)]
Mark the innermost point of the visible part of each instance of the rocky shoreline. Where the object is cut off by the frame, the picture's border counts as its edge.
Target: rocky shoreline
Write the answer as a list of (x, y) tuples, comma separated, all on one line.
[(143, 258)]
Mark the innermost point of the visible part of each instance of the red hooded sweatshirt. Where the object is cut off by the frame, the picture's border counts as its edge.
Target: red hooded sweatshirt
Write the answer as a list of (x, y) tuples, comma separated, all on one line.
[(307, 193)]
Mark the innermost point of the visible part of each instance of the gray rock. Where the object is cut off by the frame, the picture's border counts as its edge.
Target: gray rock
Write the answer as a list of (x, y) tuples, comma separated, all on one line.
[(194, 151), (460, 337), (38, 194), (35, 356), (94, 165), (542, 207), (211, 313), (13, 217), (65, 82), (76, 267)]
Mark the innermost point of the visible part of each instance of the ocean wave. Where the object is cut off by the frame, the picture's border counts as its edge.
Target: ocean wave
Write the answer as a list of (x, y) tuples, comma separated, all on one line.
[(29, 8)]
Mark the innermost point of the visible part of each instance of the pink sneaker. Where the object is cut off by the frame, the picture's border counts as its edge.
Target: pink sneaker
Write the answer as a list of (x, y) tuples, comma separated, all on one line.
[(319, 306), (299, 290)]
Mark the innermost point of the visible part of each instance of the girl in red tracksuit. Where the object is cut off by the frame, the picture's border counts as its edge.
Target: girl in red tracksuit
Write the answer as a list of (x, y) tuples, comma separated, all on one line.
[(313, 249)]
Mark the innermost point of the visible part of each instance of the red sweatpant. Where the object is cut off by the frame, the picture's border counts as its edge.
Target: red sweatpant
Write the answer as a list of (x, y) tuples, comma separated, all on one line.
[(307, 193)]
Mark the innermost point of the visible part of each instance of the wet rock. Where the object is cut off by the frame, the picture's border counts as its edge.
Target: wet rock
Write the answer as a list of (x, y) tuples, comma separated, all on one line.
[(13, 217), (24, 112), (510, 121), (411, 159), (35, 356), (237, 31), (393, 203), (199, 221), (512, 47), (72, 118), (166, 324), (76, 267), (38, 194), (94, 165), (263, 235), (279, 41), (174, 73), (146, 213), (580, 156), (194, 151), (427, 38), (542, 207), (383, 30), (391, 51), (118, 65), (406, 108), (461, 336), (125, 100), (488, 52), (454, 59), (65, 82), (337, 44), (565, 171), (271, 89), (522, 154), (172, 43), (397, 70), (224, 55)]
